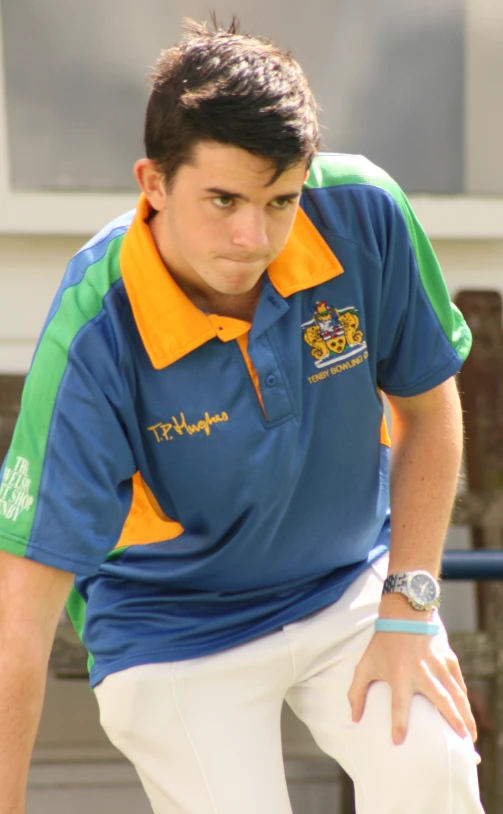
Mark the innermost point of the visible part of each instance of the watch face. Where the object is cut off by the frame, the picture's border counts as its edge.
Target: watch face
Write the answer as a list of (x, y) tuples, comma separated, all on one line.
[(422, 589)]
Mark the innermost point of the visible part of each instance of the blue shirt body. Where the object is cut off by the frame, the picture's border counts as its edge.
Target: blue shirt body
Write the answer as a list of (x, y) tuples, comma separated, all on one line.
[(212, 482)]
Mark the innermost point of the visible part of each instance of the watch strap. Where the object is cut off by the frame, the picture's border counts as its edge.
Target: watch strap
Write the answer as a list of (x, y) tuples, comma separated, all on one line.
[(395, 582)]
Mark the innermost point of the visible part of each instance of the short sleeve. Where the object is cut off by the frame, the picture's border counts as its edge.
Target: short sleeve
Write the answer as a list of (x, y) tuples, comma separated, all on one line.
[(65, 486), (423, 338)]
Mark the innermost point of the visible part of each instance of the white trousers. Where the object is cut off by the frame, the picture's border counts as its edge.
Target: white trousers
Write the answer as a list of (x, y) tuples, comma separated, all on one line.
[(204, 734)]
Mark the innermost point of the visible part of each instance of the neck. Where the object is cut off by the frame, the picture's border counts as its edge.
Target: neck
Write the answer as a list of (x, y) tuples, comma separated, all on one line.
[(237, 306)]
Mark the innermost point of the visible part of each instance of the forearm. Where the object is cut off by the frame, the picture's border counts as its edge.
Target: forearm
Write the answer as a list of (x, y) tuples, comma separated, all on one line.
[(425, 463), (22, 688), (427, 445), (32, 597)]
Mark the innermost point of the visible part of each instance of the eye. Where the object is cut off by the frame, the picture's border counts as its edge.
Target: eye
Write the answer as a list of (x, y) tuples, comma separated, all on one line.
[(223, 202), (281, 203)]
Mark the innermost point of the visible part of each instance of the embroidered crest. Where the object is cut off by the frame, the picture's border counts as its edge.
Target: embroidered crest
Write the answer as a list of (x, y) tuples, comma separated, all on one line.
[(333, 333)]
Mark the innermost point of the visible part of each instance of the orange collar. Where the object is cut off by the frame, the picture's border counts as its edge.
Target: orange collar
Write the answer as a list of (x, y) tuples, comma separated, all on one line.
[(170, 325)]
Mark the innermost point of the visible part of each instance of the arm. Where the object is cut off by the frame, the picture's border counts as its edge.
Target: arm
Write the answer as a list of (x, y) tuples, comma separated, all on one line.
[(425, 463), (32, 597), (426, 456)]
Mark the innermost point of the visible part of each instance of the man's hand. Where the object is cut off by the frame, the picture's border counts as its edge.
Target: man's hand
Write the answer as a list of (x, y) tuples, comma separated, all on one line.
[(410, 664)]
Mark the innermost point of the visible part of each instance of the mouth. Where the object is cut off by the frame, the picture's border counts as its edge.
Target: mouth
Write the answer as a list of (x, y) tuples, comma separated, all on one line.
[(246, 261)]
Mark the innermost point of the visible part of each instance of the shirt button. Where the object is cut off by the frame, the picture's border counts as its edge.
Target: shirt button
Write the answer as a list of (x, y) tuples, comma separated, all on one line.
[(270, 380)]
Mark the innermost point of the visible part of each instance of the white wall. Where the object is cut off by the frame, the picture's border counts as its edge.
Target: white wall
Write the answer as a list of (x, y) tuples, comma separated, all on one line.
[(30, 271)]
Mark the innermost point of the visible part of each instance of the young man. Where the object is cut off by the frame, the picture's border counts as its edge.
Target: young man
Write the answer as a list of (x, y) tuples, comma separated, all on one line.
[(202, 443)]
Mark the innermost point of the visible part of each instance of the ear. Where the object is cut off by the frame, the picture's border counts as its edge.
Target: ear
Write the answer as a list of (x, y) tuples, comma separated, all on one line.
[(151, 182)]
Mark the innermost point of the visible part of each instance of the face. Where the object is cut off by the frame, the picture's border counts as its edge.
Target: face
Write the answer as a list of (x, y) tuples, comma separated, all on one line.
[(422, 589), (221, 224)]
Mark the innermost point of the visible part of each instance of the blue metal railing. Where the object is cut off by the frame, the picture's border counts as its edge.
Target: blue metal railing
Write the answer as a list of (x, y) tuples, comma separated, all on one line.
[(472, 565)]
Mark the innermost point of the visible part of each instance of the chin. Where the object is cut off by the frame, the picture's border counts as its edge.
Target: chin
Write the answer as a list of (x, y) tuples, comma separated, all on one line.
[(235, 287), (236, 274)]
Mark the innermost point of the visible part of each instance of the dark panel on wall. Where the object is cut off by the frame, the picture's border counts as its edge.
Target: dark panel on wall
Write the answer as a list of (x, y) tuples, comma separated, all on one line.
[(10, 400)]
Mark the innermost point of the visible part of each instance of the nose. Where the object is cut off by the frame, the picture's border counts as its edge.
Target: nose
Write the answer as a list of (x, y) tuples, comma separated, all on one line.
[(250, 230)]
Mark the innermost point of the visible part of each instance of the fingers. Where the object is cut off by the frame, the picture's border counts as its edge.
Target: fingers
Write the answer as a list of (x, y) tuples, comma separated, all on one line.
[(455, 671), (400, 708), (444, 692), (400, 704), (460, 714), (357, 694), (413, 667), (448, 673), (444, 702)]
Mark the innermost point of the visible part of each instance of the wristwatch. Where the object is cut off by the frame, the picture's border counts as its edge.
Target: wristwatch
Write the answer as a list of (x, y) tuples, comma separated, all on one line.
[(419, 587)]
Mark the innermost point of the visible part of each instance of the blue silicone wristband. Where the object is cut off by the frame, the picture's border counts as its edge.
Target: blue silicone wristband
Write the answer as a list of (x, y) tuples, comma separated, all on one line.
[(406, 626)]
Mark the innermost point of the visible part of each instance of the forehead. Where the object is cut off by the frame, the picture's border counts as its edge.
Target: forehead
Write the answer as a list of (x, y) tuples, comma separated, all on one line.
[(225, 166)]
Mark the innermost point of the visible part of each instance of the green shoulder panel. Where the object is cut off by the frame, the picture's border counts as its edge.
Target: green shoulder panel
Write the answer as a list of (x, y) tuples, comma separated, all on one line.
[(337, 169), (22, 473)]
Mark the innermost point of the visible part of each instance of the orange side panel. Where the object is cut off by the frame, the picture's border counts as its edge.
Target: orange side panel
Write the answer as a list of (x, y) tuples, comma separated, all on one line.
[(385, 439), (385, 436), (146, 522), (243, 346)]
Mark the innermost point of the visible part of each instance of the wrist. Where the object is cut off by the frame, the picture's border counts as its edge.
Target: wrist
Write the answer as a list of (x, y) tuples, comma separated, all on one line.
[(419, 587), (397, 606)]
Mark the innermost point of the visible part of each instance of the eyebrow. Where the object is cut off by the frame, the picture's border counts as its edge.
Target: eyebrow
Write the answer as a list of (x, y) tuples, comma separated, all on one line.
[(225, 193)]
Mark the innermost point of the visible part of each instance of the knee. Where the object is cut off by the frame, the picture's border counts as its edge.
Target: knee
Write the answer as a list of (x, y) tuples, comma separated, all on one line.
[(433, 753), (434, 767)]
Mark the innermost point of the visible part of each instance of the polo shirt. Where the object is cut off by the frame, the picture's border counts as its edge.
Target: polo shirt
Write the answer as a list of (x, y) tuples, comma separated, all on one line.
[(209, 480)]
